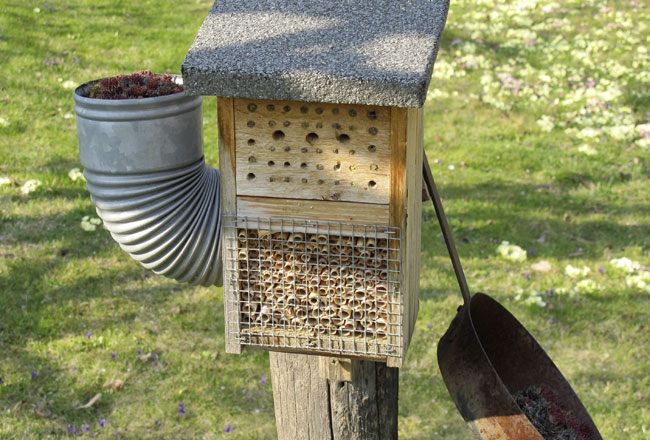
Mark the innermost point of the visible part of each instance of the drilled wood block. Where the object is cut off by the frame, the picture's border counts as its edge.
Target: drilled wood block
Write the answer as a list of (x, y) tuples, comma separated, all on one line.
[(313, 151)]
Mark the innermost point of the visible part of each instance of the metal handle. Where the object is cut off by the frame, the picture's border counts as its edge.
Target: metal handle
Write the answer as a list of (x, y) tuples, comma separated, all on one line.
[(446, 232)]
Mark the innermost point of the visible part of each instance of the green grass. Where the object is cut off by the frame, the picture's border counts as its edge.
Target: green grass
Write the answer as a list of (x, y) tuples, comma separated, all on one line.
[(540, 110)]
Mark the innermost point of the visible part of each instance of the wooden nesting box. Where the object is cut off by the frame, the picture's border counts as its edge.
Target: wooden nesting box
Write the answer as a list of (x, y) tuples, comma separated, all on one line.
[(321, 171)]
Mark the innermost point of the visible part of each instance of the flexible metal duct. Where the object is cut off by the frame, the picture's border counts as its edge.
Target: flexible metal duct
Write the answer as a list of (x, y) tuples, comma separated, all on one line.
[(147, 177)]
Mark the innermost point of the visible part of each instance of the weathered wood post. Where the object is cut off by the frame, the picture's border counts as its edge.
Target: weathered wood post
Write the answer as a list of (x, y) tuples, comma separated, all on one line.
[(320, 146)]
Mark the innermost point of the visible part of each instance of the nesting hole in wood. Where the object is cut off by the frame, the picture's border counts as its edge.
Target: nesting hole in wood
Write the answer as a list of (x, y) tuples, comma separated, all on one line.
[(271, 163), (372, 184), (303, 165), (250, 176), (311, 138), (372, 148), (372, 115), (251, 142), (278, 135), (343, 138), (337, 166), (287, 164)]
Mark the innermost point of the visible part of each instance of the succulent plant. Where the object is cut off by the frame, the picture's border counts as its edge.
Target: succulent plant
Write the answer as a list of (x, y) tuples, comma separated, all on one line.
[(143, 84)]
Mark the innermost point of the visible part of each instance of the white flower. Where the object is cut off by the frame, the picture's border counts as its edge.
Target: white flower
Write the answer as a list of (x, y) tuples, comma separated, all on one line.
[(76, 174), (625, 264), (546, 123), (89, 223), (587, 286), (639, 281), (68, 85), (4, 122), (576, 272), (30, 186), (588, 150), (5, 180), (511, 252)]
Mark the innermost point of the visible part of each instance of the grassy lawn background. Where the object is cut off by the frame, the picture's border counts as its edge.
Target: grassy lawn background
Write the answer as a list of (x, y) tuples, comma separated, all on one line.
[(537, 129)]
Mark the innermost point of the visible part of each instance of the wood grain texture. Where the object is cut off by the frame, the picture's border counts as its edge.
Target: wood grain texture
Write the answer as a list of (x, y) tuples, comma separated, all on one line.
[(313, 151), (309, 407), (300, 397), (397, 215), (228, 207), (345, 212), (338, 370)]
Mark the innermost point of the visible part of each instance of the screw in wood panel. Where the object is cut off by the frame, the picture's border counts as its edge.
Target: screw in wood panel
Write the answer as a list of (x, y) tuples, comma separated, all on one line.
[(372, 130), (251, 124), (304, 149), (304, 109), (352, 113), (271, 148), (287, 148), (271, 123), (286, 109), (286, 123), (270, 107), (252, 107), (252, 159), (278, 135)]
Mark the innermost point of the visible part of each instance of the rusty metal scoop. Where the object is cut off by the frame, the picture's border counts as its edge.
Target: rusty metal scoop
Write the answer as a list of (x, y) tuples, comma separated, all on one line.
[(486, 357)]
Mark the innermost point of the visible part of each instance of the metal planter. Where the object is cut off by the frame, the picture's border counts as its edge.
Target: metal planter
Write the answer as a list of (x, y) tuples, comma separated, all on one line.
[(146, 174)]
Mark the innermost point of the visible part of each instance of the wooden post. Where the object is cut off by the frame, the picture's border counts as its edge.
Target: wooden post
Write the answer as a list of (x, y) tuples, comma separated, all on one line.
[(310, 407)]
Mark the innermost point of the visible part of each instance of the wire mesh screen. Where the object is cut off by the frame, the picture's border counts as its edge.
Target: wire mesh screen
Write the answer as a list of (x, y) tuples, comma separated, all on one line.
[(315, 286)]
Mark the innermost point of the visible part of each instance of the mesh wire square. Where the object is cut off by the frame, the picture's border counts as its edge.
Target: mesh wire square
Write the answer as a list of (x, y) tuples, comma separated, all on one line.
[(314, 286)]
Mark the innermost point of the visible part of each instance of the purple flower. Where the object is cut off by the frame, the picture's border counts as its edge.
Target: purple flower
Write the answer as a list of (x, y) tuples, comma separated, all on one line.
[(156, 422), (102, 422), (93, 435), (228, 429), (263, 380), (590, 84), (437, 161), (181, 408), (601, 269), (117, 433), (46, 61), (74, 369), (551, 321), (69, 428), (87, 428), (139, 352), (112, 355), (527, 276), (429, 325), (88, 334), (34, 375), (2, 382), (528, 143), (46, 4), (74, 431)]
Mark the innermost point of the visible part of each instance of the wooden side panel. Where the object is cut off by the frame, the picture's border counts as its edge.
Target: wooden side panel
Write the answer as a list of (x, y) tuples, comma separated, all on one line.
[(227, 159), (413, 219), (312, 151), (344, 212), (397, 214)]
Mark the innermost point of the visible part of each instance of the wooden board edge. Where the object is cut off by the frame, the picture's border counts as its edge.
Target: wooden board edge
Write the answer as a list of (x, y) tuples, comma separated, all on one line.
[(226, 121)]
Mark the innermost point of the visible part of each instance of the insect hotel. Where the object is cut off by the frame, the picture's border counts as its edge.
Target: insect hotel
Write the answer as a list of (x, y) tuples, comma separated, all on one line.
[(320, 149)]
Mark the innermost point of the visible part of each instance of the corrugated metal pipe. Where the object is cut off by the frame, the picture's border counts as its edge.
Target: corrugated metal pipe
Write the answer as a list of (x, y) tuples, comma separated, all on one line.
[(146, 174)]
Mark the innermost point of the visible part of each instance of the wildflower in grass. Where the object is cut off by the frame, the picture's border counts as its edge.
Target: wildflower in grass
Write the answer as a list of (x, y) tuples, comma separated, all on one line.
[(117, 433), (74, 369), (88, 335), (4, 180), (639, 281), (156, 422), (76, 174), (546, 123), (263, 380), (89, 223), (576, 272), (533, 298), (588, 150), (68, 85), (87, 428), (69, 428), (34, 375), (601, 269), (30, 186), (511, 252), (587, 286), (2, 382), (625, 264), (102, 423), (4, 122), (527, 276), (112, 355), (181, 408), (228, 429), (429, 325)]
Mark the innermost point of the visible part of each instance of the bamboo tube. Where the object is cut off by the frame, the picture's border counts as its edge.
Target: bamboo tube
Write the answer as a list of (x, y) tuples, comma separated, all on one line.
[(296, 322), (371, 315), (345, 272), (324, 321), (301, 291), (312, 238), (381, 326), (338, 300), (348, 328), (321, 239), (358, 315), (336, 321), (359, 294), (355, 303), (301, 312), (313, 299), (241, 235), (312, 321), (345, 312)]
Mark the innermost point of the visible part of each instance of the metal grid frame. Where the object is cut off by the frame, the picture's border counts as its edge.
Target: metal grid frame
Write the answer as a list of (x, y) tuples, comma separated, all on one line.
[(314, 286)]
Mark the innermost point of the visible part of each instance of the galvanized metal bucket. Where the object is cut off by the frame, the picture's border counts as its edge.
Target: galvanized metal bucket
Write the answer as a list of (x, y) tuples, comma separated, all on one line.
[(486, 357), (146, 174)]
